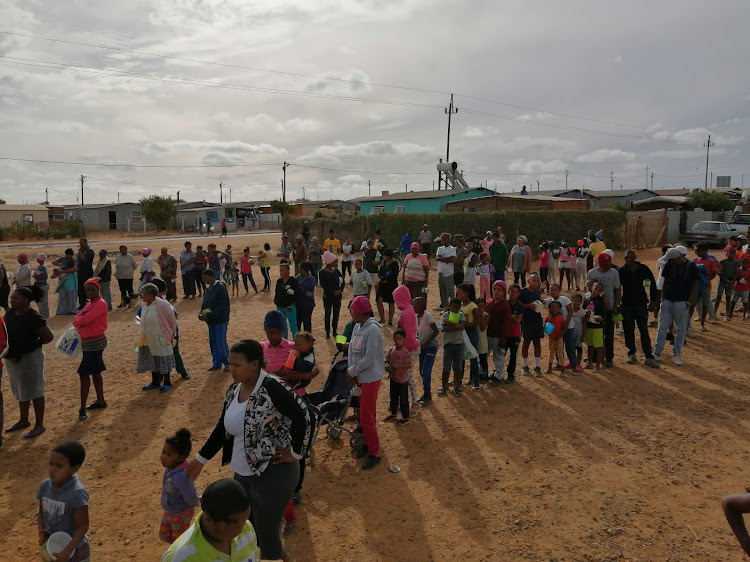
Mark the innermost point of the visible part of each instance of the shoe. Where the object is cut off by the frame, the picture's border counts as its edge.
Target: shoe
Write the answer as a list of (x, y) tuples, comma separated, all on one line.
[(474, 388), (361, 453), (389, 417), (328, 335), (403, 421), (619, 332), (289, 527), (441, 391), (538, 371), (670, 337), (151, 386), (609, 364), (713, 320), (657, 357), (213, 369), (426, 400), (297, 498), (649, 362), (579, 369), (494, 381), (510, 380), (458, 392), (413, 412), (525, 371), (703, 329), (82, 415), (165, 388), (567, 366), (371, 462), (677, 361), (185, 377), (631, 360), (595, 370), (96, 406)]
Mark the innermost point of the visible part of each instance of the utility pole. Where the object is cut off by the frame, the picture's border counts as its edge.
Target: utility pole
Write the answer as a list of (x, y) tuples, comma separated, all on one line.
[(118, 197), (368, 187), (567, 173), (221, 192), (283, 185), (612, 180), (406, 187), (708, 144), (440, 177), (82, 178), (46, 196), (303, 194), (450, 110), (646, 177), (230, 194), (537, 185), (178, 198), (652, 181)]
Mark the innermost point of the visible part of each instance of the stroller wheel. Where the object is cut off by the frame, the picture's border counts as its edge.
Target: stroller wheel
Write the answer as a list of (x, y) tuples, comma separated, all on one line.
[(311, 457), (357, 442), (333, 432)]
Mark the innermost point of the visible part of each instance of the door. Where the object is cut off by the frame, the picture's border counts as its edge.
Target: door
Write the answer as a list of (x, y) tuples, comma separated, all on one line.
[(113, 220)]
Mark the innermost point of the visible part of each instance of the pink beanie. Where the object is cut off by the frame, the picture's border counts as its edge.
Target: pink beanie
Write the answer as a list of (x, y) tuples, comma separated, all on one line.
[(361, 305)]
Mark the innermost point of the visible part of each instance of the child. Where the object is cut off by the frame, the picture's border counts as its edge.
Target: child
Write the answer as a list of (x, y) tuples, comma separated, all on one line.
[(465, 292), (741, 288), (595, 306), (40, 276), (471, 261), (482, 345), (531, 325), (453, 347), (222, 530), (264, 267), (234, 279), (427, 333), (543, 262), (498, 323), (246, 269), (178, 495), (228, 263), (514, 331), (179, 363), (398, 365), (566, 307), (300, 375), (360, 280), (486, 272), (577, 326), (407, 321), (556, 337), (64, 502)]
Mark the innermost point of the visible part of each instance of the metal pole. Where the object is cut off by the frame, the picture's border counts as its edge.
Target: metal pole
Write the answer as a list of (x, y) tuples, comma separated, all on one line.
[(708, 146), (450, 110), (646, 177), (221, 192), (82, 178), (283, 185), (612, 180), (566, 179), (368, 188), (652, 181)]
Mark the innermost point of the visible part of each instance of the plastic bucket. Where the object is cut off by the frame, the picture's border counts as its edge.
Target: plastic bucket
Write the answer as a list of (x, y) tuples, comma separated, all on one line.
[(341, 339), (55, 543), (454, 317)]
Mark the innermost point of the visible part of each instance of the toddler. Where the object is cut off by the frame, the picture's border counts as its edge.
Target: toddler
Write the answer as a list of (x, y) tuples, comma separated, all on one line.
[(486, 272), (556, 337), (234, 279), (453, 347), (595, 305), (64, 502), (577, 326), (398, 366), (178, 495)]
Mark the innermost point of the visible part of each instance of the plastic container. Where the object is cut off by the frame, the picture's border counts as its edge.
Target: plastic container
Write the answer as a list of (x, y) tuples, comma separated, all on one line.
[(291, 358), (356, 391), (549, 327), (617, 317), (539, 307), (55, 543), (341, 339), (454, 317)]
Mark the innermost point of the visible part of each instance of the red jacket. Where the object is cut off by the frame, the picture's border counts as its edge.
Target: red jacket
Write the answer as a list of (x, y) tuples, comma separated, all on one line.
[(91, 322), (499, 323)]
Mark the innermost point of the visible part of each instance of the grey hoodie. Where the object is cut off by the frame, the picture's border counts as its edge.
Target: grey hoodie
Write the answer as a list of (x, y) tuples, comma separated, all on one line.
[(366, 357)]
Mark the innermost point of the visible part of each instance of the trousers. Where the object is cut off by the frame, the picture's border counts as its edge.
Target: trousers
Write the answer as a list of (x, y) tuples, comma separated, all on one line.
[(367, 412), (400, 397), (426, 362), (632, 316), (677, 312), (290, 313), (447, 289), (217, 341)]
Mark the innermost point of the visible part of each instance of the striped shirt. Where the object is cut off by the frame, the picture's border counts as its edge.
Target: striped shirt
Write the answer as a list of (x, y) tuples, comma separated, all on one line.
[(193, 547)]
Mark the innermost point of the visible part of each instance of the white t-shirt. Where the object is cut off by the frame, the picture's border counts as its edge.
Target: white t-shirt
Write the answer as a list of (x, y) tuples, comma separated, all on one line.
[(424, 330), (564, 302), (349, 249), (234, 423), (443, 268)]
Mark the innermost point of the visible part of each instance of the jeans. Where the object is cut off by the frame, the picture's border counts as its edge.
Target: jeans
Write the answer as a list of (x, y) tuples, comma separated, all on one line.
[(498, 357), (677, 312), (290, 313), (331, 304), (447, 289), (609, 336), (188, 283), (217, 341), (426, 361), (367, 411), (570, 340), (400, 397), (499, 274), (511, 344), (633, 315), (106, 293), (473, 333)]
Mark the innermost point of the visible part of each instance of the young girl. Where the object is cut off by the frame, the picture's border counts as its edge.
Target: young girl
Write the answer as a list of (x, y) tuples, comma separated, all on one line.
[(556, 337), (578, 327), (543, 263), (246, 269), (486, 273), (228, 263), (264, 267), (398, 365), (566, 265), (553, 276), (178, 495), (482, 346), (514, 331), (234, 279), (465, 292), (595, 306), (582, 253), (453, 347)]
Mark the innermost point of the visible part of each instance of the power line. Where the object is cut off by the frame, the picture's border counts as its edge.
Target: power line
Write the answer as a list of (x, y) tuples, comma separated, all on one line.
[(138, 165)]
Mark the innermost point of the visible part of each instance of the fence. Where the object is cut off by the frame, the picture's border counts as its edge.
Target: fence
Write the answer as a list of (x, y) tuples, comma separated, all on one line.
[(645, 229)]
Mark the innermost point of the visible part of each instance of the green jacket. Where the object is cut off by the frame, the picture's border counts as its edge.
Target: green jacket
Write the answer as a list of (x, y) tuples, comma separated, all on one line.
[(499, 256)]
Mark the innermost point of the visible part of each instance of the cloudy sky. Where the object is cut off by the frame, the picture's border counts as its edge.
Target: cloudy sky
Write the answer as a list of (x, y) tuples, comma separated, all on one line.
[(351, 91)]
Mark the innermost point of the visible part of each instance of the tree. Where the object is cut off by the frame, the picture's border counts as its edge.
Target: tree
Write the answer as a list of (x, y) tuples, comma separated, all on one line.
[(281, 207), (159, 210), (709, 200), (2, 202)]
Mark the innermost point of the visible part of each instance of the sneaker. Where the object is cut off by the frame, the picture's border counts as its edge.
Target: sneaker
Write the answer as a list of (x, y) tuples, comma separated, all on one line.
[(426, 400), (595, 370), (567, 366), (371, 462), (657, 357), (494, 381), (609, 364), (525, 371), (441, 391), (538, 371), (631, 359), (579, 369), (510, 380), (389, 417), (619, 331), (649, 362), (713, 320), (297, 498), (677, 360), (474, 388), (704, 329), (413, 411), (458, 392), (403, 421), (289, 527)]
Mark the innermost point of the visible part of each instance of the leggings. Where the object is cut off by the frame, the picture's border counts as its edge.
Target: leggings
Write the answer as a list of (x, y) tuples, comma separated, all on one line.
[(304, 316), (265, 271), (245, 277), (346, 266), (270, 492), (331, 304), (519, 277)]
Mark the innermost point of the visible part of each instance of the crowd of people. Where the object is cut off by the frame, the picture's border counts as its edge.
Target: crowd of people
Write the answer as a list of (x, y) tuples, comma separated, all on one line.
[(267, 423)]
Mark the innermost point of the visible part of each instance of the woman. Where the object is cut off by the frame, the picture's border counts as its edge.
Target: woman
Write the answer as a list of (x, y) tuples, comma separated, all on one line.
[(158, 329), (467, 294), (103, 272), (91, 324), (519, 260), (347, 257), (416, 271), (286, 289), (168, 266), (4, 287), (566, 264), (67, 283), (387, 283), (332, 283), (263, 431), (22, 276), (265, 269), (147, 268), (315, 255), (305, 297), (27, 332), (582, 254), (201, 264), (246, 269)]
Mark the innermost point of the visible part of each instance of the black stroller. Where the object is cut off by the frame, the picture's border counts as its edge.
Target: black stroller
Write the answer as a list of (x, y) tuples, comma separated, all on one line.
[(333, 402)]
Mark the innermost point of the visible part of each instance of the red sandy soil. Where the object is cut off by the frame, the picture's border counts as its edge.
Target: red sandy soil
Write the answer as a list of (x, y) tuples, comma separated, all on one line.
[(628, 464)]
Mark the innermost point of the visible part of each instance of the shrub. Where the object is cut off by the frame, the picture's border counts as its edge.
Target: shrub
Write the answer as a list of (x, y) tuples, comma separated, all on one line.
[(709, 200), (74, 229), (58, 234), (24, 230)]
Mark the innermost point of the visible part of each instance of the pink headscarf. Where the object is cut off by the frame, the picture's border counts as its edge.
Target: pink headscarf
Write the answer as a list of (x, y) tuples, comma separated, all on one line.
[(23, 258)]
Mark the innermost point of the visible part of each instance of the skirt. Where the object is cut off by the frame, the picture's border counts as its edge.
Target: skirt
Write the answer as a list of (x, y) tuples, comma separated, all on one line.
[(26, 376), (92, 363), (148, 363)]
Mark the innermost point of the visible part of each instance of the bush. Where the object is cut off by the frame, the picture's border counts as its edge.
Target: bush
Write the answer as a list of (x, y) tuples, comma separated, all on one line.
[(535, 225), (58, 234), (23, 230), (709, 200), (3, 233), (74, 229)]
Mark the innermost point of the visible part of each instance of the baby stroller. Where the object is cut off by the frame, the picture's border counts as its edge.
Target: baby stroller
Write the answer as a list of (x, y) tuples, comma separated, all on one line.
[(333, 402)]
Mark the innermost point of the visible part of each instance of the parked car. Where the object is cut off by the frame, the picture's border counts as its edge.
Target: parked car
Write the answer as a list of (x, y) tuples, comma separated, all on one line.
[(742, 224), (713, 233)]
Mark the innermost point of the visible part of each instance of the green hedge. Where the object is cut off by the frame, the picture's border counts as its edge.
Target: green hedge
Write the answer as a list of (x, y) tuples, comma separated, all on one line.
[(535, 225)]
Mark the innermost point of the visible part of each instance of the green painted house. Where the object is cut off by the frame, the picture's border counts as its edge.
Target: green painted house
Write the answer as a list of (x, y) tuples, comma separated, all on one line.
[(417, 201)]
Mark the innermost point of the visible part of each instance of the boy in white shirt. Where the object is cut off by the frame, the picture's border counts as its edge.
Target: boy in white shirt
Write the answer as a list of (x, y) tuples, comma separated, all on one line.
[(446, 256)]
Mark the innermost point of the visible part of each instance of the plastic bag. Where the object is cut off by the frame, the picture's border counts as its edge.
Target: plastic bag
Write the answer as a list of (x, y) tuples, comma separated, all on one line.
[(470, 351), (69, 343)]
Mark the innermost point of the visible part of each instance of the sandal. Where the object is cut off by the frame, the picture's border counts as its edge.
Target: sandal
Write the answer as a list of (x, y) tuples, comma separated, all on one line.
[(18, 425), (165, 388), (36, 432), (289, 526), (151, 386), (96, 406)]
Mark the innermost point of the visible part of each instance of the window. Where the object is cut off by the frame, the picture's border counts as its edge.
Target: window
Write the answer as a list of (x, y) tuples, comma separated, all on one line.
[(469, 210), (28, 218), (58, 218), (229, 213), (213, 215), (377, 209), (399, 209), (135, 216)]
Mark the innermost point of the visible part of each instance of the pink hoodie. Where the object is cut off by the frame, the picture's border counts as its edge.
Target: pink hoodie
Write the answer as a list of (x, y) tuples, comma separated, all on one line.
[(408, 319)]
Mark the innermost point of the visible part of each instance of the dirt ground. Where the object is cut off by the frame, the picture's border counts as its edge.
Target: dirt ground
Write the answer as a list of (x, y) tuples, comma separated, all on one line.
[(628, 464)]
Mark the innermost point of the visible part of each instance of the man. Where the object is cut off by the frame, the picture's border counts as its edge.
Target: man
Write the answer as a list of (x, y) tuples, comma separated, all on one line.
[(425, 240), (416, 271), (366, 368), (446, 256), (306, 232), (209, 226), (708, 267), (523, 191), (125, 267), (498, 256), (215, 313), (405, 245), (636, 280), (85, 263), (680, 291), (475, 240), (332, 244), (458, 264), (187, 269), (104, 273), (610, 278), (299, 252)]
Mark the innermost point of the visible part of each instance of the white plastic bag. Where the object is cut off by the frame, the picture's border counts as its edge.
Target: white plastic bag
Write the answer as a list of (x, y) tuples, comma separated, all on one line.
[(69, 343), (470, 351)]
